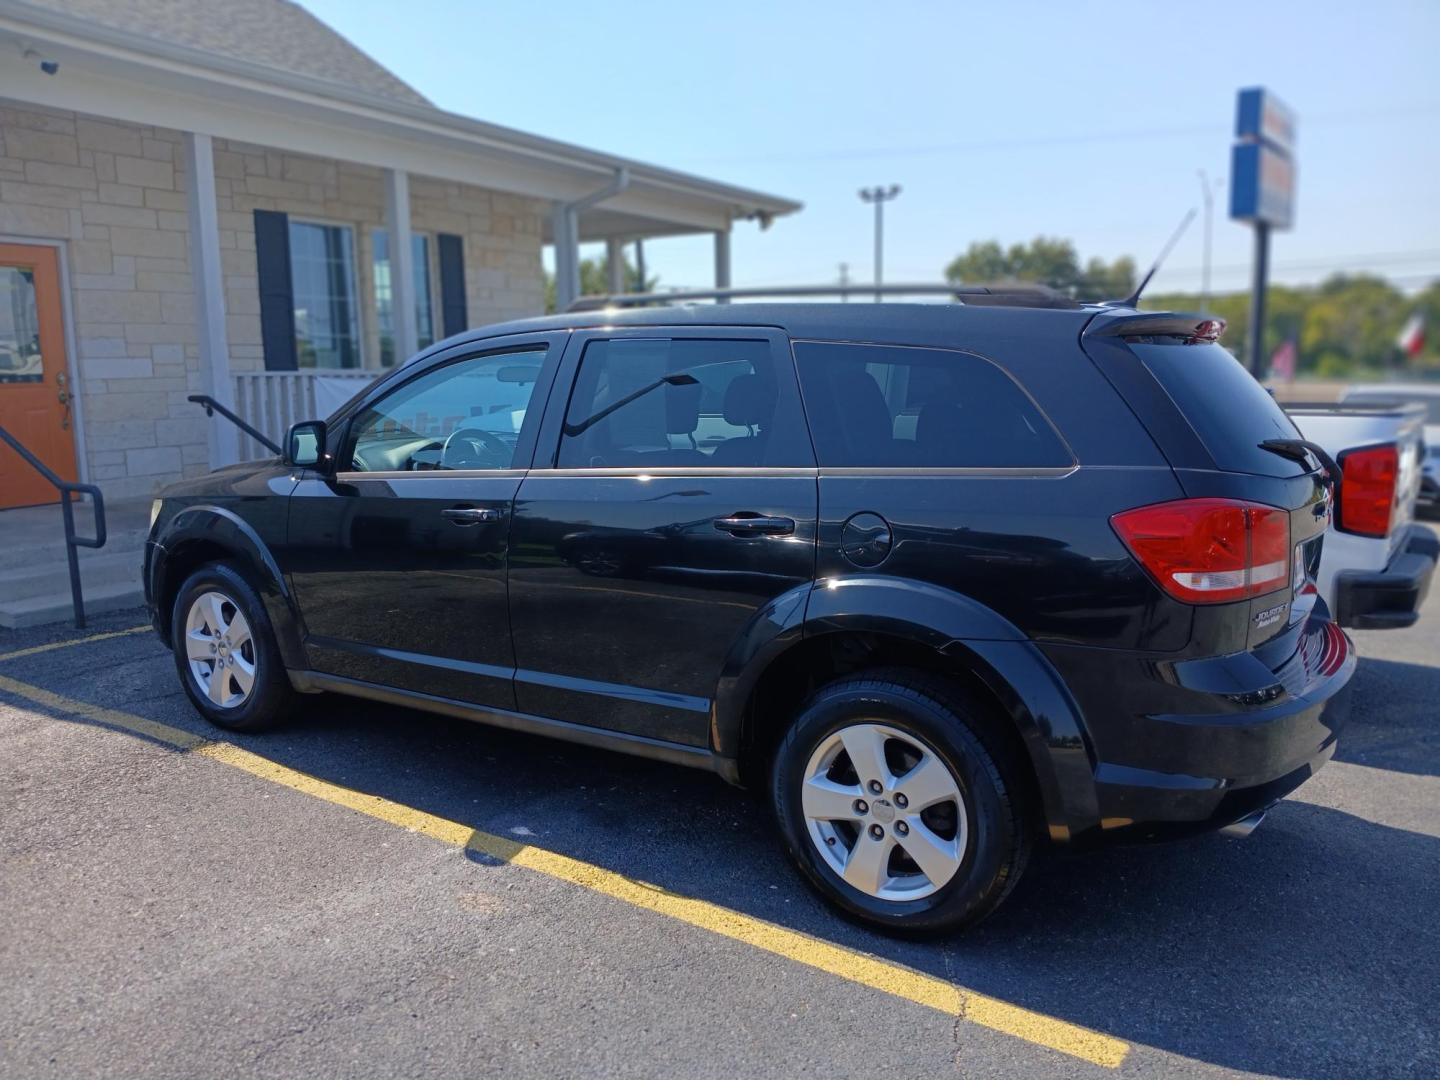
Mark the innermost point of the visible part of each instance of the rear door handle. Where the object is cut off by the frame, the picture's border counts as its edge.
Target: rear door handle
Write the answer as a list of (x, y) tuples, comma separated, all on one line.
[(471, 515), (747, 524)]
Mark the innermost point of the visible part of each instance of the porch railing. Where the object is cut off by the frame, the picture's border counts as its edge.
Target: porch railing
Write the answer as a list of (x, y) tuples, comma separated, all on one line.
[(271, 401)]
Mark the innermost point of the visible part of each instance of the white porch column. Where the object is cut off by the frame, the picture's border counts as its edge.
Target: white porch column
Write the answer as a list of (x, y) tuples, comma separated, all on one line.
[(722, 261), (209, 288), (567, 256), (614, 265), (402, 263)]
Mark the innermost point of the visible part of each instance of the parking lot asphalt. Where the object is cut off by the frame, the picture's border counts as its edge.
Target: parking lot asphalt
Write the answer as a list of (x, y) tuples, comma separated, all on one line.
[(377, 892)]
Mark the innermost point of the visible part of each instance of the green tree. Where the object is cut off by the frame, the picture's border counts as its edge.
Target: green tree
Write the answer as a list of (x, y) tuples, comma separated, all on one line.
[(595, 282), (1344, 327), (1045, 260)]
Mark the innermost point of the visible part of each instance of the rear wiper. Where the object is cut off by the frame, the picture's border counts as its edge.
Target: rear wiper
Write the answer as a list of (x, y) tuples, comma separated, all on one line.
[(1296, 449), (679, 378)]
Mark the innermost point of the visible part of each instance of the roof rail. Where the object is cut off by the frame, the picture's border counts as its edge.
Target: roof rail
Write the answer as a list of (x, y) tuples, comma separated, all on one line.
[(1021, 292)]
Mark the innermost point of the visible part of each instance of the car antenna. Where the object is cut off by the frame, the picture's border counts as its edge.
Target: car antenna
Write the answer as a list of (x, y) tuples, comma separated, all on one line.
[(1134, 298)]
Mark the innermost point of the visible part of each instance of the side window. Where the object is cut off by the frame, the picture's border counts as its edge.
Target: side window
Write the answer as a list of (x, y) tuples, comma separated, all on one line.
[(655, 402), (878, 406), (465, 415)]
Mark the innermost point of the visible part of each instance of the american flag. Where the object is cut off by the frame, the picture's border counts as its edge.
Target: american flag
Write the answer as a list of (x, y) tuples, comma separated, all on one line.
[(1282, 362)]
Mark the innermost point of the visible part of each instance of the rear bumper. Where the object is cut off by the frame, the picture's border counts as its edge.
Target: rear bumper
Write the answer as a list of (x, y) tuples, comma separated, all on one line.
[(1171, 760), (1389, 598)]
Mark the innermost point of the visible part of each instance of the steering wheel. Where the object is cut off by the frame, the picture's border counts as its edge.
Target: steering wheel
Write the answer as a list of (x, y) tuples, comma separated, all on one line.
[(475, 448)]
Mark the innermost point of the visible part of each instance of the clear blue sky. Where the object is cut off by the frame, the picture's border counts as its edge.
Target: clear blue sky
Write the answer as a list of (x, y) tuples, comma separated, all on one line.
[(1003, 121)]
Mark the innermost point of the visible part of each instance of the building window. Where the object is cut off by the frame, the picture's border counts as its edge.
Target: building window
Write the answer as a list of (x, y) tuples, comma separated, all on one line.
[(327, 316), (384, 297)]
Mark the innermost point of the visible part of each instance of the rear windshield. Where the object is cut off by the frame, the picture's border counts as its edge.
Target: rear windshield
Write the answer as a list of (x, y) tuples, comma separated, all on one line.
[(1229, 410)]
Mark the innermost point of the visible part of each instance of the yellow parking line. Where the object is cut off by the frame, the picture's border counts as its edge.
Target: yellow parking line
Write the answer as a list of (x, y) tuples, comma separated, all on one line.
[(34, 649), (857, 967)]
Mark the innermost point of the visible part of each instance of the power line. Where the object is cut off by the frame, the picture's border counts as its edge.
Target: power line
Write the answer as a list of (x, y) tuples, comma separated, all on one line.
[(985, 145), (1332, 262)]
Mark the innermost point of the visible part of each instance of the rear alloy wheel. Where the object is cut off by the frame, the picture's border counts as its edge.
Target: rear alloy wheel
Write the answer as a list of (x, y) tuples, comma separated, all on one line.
[(225, 651), (894, 832), (900, 803)]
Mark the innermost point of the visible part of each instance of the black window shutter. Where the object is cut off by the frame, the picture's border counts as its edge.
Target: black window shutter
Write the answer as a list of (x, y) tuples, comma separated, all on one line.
[(452, 283), (277, 296)]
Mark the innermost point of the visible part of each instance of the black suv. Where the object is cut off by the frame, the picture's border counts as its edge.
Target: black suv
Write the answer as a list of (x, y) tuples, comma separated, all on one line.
[(944, 580)]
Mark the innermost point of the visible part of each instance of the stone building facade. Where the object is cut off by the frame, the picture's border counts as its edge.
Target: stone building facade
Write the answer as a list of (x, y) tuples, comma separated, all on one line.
[(214, 205), (115, 193)]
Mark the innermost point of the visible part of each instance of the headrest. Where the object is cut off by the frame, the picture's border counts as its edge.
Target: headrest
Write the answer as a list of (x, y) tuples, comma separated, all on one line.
[(939, 423), (868, 426), (682, 408), (748, 401)]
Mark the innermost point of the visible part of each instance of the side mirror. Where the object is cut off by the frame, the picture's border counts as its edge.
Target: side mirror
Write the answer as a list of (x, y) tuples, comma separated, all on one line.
[(305, 443)]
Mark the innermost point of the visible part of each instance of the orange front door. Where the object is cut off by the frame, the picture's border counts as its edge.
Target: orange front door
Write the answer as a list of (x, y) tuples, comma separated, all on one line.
[(34, 380)]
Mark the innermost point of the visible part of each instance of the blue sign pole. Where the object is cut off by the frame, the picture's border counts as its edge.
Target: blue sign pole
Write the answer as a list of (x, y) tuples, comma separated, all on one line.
[(1262, 193), (1258, 286)]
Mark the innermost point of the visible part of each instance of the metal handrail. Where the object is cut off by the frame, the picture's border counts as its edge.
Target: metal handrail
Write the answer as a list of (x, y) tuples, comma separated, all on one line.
[(67, 513), (211, 407)]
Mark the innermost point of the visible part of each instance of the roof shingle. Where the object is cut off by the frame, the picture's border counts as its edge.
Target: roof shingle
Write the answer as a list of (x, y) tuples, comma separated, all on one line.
[(271, 33)]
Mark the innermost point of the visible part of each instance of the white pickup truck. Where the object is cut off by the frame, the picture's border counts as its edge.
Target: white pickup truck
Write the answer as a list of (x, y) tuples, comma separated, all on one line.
[(1376, 564)]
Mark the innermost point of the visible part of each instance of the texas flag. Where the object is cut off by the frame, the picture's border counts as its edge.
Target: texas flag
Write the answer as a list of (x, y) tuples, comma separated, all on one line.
[(1411, 341)]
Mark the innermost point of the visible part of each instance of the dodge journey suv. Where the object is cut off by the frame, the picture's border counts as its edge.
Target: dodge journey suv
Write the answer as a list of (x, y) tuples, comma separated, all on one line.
[(943, 581)]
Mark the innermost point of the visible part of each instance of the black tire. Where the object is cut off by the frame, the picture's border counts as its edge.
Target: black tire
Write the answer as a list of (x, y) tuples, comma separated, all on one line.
[(271, 697), (949, 721)]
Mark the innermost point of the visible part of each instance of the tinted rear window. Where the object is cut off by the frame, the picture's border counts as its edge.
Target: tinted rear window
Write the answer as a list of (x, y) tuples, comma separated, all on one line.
[(1229, 410), (878, 405)]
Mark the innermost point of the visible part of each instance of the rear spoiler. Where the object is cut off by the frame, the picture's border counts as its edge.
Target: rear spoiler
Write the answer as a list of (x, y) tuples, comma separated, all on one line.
[(1195, 329)]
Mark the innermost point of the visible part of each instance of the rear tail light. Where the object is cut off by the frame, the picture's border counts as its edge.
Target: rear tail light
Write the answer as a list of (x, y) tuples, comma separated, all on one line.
[(1367, 489), (1210, 551)]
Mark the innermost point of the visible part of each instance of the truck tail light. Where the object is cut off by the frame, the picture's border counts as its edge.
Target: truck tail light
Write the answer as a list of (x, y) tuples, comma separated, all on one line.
[(1367, 489), (1209, 551)]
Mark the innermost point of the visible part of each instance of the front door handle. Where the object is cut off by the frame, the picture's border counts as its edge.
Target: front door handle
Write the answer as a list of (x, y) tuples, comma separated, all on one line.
[(471, 515), (748, 524)]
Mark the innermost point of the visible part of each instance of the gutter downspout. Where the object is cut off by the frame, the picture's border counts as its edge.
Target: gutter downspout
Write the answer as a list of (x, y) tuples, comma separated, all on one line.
[(565, 225)]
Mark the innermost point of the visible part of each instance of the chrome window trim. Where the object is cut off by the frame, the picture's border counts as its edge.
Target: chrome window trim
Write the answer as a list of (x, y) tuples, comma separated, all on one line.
[(669, 471), (353, 477), (1006, 472), (663, 471)]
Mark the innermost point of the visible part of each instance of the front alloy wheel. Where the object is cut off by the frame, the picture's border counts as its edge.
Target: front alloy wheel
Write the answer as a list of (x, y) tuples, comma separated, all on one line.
[(225, 651), (220, 650), (884, 812)]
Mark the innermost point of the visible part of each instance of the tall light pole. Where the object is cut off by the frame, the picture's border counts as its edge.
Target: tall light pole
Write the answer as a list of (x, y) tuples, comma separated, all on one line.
[(1207, 192), (879, 196)]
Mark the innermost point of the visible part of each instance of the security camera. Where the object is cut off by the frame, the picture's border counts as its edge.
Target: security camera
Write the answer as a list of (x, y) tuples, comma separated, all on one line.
[(49, 67)]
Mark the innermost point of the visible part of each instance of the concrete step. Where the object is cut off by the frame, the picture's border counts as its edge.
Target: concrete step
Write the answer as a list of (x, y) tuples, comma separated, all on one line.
[(56, 607), (50, 553), (36, 535), (98, 569)]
